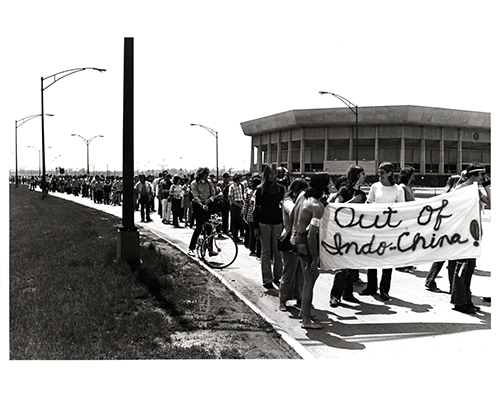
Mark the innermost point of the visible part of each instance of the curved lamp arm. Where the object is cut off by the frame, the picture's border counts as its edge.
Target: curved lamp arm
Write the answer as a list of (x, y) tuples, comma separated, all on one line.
[(347, 102), (65, 73)]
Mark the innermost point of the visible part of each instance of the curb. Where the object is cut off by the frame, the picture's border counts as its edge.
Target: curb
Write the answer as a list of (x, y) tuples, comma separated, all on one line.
[(290, 342)]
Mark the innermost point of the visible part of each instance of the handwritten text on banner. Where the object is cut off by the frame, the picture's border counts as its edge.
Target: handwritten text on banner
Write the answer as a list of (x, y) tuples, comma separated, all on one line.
[(364, 236)]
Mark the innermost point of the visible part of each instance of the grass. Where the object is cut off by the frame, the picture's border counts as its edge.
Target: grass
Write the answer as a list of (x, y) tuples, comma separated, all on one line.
[(70, 299)]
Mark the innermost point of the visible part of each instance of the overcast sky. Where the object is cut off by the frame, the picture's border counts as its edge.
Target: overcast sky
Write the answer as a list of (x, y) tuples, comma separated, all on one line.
[(219, 63)]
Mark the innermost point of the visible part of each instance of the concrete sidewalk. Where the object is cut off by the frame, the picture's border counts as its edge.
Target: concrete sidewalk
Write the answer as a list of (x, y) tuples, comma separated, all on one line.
[(415, 323)]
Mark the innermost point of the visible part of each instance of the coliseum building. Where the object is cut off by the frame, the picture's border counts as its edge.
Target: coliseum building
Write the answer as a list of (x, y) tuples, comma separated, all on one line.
[(434, 141)]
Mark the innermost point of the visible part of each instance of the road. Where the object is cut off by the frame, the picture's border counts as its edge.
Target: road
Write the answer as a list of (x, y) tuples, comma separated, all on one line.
[(415, 323)]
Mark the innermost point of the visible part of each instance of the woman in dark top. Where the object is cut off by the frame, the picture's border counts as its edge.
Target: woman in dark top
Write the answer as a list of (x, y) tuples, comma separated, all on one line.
[(351, 193), (268, 225)]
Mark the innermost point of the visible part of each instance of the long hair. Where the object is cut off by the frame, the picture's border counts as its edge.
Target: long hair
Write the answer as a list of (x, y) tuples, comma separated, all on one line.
[(353, 173), (451, 183), (318, 185), (389, 167), (201, 172), (296, 187), (268, 186), (406, 174), (473, 169)]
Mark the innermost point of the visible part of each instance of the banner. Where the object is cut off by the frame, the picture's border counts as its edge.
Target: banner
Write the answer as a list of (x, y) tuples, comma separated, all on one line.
[(369, 236)]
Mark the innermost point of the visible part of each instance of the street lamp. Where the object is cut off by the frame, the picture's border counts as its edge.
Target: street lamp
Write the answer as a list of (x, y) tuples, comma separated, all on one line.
[(56, 77), (39, 156), (87, 142), (19, 123), (353, 108), (216, 135)]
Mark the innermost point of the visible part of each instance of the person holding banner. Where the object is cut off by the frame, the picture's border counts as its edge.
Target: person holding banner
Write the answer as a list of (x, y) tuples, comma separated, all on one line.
[(306, 219), (406, 177), (461, 295), (384, 191), (430, 281), (351, 193)]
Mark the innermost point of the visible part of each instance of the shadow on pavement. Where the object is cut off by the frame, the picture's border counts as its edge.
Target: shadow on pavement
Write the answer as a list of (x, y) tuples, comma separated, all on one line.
[(354, 336)]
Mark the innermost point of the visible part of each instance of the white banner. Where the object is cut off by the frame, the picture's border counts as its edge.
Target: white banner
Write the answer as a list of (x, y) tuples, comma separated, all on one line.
[(369, 236)]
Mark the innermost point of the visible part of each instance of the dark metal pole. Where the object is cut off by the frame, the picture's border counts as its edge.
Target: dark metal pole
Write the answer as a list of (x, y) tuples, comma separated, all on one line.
[(88, 143), (217, 153), (128, 136), (44, 188), (17, 183), (128, 239)]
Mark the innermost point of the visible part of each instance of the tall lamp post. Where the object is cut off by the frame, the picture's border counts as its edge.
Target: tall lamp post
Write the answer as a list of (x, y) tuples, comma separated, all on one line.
[(39, 157), (216, 135), (55, 78), (87, 142), (19, 123), (353, 108)]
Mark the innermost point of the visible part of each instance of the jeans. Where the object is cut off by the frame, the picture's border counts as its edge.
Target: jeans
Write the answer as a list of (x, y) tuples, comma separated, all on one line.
[(200, 216), (385, 281), (343, 284), (292, 278), (430, 281), (144, 203), (269, 243), (462, 277), (235, 221), (176, 211)]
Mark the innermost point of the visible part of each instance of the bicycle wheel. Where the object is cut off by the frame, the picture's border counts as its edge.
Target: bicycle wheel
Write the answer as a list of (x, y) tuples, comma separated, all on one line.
[(220, 250)]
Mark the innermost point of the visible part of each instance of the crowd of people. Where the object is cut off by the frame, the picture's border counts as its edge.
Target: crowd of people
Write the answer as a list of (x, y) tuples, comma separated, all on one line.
[(277, 219)]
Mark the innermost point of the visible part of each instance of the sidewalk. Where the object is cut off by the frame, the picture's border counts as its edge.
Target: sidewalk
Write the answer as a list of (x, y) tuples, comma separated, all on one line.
[(415, 323)]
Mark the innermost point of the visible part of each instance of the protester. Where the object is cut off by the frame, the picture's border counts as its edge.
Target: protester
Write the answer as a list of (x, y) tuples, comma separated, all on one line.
[(175, 195), (187, 202), (384, 191), (306, 217), (430, 281), (251, 242), (461, 295), (203, 198), (224, 186), (351, 193), (291, 275), (406, 177), (143, 189), (268, 225), (236, 199)]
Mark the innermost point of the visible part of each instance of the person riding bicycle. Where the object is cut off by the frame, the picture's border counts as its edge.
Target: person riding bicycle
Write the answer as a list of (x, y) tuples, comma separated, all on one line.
[(203, 199)]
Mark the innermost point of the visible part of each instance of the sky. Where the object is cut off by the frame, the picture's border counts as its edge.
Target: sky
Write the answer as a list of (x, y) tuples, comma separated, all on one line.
[(220, 63)]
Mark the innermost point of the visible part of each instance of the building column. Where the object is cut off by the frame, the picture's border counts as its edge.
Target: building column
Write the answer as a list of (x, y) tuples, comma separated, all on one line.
[(441, 152), (325, 155), (422, 152), (289, 154), (459, 152), (278, 156), (259, 155), (351, 144), (377, 153), (302, 150), (252, 158), (268, 159), (402, 156)]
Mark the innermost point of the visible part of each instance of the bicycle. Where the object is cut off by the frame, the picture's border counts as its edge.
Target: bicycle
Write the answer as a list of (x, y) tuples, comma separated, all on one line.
[(215, 248)]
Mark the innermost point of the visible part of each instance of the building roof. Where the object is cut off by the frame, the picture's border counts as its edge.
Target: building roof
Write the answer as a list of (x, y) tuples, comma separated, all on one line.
[(375, 115)]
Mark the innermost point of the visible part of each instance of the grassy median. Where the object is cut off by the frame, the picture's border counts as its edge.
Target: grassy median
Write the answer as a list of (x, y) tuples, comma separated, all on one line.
[(70, 299)]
